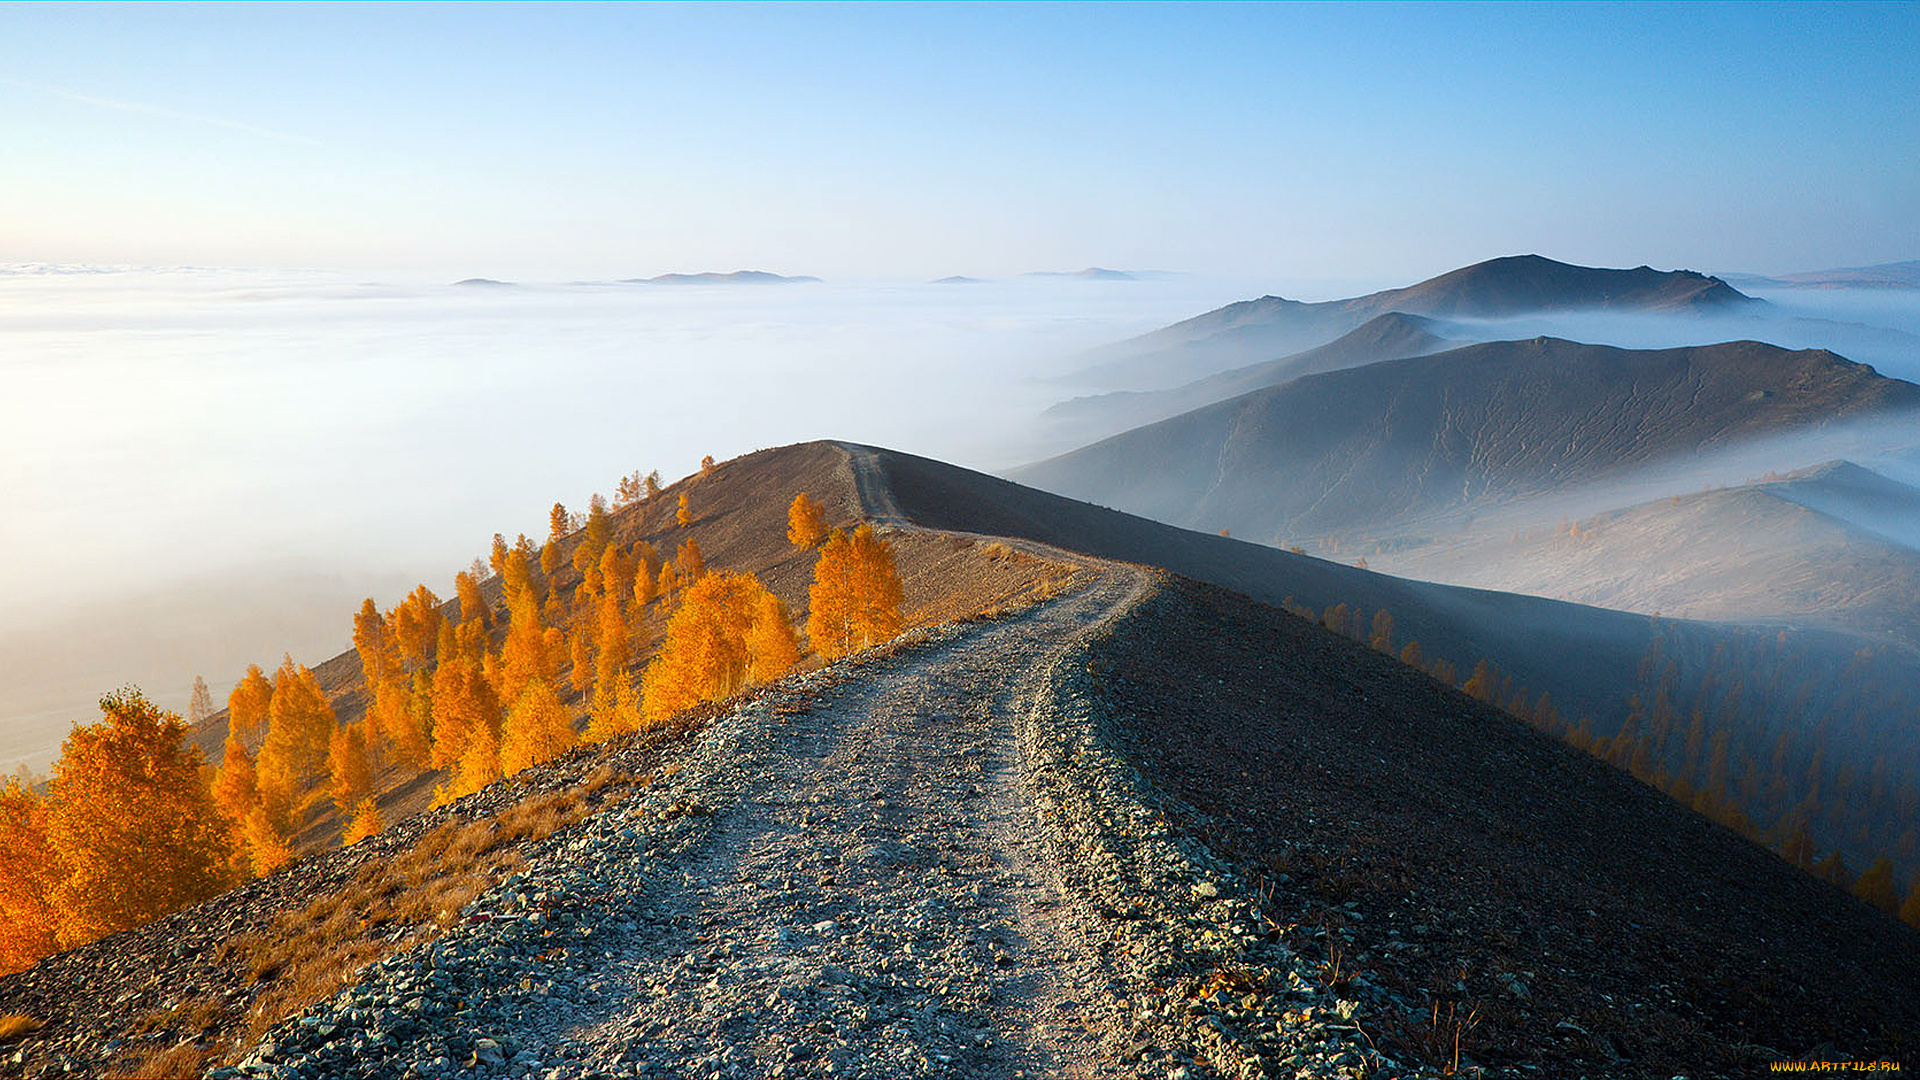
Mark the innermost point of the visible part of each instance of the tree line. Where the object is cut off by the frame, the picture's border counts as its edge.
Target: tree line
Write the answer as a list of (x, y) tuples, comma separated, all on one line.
[(134, 824), (1753, 731)]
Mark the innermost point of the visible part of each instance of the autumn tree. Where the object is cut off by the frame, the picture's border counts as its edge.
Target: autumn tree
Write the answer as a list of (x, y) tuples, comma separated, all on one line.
[(199, 703), (556, 528), (366, 822), (1381, 640), (466, 713), (299, 729), (646, 575), (595, 537), (132, 822), (387, 684), (856, 594), (537, 730), (236, 789), (806, 522), (629, 490), (686, 568), (497, 554), (347, 765), (1875, 885), (415, 626), (249, 702), (473, 606), (723, 636), (29, 871), (1480, 683)]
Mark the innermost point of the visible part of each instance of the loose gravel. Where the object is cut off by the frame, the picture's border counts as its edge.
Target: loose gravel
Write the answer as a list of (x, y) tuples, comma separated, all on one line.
[(926, 863)]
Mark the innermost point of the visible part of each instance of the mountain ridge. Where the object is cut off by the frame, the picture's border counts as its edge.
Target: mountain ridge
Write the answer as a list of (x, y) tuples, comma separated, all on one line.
[(1251, 331)]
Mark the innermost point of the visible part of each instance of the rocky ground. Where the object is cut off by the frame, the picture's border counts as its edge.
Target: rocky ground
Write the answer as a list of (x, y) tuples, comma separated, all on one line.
[(923, 863)]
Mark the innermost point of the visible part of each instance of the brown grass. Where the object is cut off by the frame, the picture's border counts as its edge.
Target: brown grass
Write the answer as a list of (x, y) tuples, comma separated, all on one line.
[(389, 905), (16, 1025)]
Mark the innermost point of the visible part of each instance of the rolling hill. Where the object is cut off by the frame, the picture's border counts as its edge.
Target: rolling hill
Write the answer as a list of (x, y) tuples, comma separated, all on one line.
[(1253, 331), (1368, 448), (1127, 823), (1385, 337), (1784, 551)]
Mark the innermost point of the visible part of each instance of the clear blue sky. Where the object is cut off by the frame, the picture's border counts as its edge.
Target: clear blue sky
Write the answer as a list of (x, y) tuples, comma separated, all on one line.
[(1373, 141)]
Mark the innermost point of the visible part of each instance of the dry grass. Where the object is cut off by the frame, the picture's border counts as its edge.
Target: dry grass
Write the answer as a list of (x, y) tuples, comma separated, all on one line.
[(389, 905), (190, 1058), (16, 1025)]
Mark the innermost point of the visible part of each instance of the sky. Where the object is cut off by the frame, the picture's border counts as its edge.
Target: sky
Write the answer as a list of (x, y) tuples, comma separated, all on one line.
[(558, 142), (275, 403)]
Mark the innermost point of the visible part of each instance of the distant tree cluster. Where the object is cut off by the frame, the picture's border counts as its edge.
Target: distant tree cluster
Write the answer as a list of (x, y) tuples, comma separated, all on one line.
[(1752, 732)]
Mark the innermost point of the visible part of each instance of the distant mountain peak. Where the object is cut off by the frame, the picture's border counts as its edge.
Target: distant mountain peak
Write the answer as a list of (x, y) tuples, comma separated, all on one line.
[(714, 277)]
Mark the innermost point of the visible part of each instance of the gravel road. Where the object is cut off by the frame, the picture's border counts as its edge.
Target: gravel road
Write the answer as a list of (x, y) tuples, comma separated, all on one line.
[(858, 886), (924, 861)]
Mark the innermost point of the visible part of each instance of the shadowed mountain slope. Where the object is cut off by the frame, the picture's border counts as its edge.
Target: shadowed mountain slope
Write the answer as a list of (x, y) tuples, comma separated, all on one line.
[(1598, 665), (1389, 442), (1778, 552), (1257, 330), (1387, 337), (1445, 859)]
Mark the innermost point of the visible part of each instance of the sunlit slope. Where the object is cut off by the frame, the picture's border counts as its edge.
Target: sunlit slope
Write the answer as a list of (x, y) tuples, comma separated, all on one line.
[(1252, 331), (1366, 448), (737, 516)]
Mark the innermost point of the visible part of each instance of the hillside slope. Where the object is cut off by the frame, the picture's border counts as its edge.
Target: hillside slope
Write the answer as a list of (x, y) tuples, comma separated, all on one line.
[(739, 521), (1366, 448), (1777, 552), (1025, 842), (1386, 337), (1252, 331)]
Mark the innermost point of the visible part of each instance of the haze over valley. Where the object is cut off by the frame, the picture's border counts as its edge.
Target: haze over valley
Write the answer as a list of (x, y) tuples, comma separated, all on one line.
[(1185, 541)]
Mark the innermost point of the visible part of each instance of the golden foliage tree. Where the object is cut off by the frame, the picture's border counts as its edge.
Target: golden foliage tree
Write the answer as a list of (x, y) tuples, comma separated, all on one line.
[(236, 790), (416, 626), (249, 702), (806, 522), (29, 871), (497, 554), (721, 638), (646, 575), (687, 567), (366, 822), (132, 822), (473, 606), (706, 465), (556, 528), (466, 715), (629, 490), (595, 537), (351, 773), (856, 594), (538, 729), (684, 516), (299, 730)]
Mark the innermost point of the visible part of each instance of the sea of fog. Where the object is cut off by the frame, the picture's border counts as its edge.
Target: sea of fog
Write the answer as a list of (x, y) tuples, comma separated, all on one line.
[(202, 468), (206, 468)]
